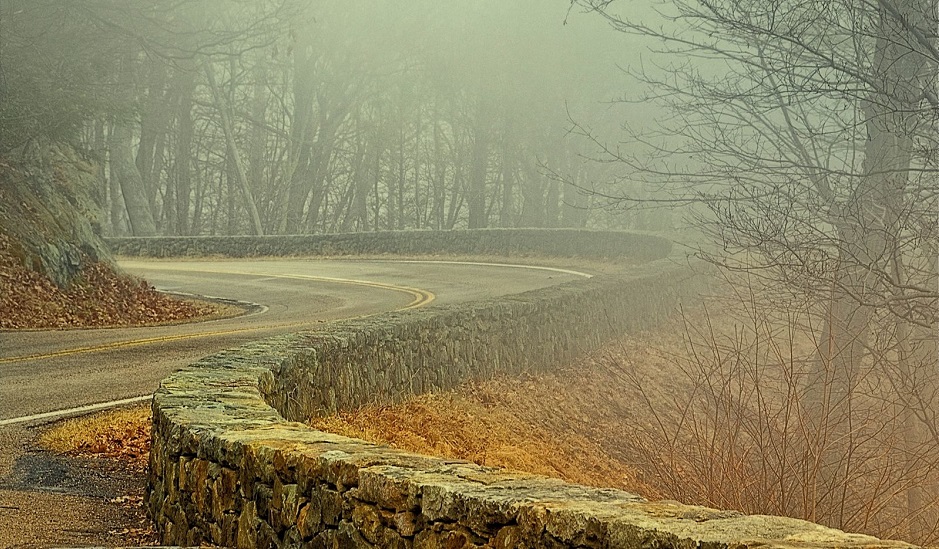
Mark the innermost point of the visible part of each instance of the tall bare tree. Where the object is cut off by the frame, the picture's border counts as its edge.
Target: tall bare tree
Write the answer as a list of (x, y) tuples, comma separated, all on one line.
[(808, 132)]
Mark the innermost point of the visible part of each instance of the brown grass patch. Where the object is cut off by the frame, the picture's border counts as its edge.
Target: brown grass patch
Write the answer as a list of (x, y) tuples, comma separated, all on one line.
[(708, 409), (118, 434), (579, 424)]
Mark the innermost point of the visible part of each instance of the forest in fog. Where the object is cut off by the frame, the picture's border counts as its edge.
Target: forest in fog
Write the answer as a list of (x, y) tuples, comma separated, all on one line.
[(795, 141), (284, 117)]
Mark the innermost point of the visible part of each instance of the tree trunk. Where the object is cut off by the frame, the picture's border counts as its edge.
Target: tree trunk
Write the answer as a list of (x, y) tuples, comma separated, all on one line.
[(532, 197), (152, 128), (132, 189), (869, 224), (186, 83), (440, 177), (507, 210), (301, 137), (320, 164), (234, 154), (358, 216), (401, 183), (552, 205), (479, 171), (257, 137)]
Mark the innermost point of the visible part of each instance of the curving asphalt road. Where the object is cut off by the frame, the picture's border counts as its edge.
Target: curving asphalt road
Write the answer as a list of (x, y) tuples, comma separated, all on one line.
[(46, 373), (52, 501)]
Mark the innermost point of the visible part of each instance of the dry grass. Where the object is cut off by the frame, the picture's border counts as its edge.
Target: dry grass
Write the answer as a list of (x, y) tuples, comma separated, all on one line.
[(706, 410), (122, 434), (464, 427), (579, 424)]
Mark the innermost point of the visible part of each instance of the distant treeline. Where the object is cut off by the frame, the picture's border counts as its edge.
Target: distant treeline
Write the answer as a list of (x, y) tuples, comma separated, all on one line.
[(279, 117)]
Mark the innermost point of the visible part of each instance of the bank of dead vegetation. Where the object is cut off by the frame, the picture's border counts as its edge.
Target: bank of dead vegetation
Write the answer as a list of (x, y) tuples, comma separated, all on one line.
[(122, 434), (98, 297)]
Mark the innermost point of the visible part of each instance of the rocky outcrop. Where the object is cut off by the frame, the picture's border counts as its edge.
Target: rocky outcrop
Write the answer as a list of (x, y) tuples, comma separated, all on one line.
[(48, 210)]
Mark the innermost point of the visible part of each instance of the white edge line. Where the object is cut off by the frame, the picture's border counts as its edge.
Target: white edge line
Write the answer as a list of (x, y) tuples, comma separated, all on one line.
[(258, 308), (73, 411)]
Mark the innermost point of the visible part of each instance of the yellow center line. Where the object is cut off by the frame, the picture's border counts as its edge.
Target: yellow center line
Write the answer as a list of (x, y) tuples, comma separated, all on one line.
[(420, 298)]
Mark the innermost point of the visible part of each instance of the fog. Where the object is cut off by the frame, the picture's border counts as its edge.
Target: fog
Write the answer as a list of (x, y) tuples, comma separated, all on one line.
[(331, 116), (796, 140)]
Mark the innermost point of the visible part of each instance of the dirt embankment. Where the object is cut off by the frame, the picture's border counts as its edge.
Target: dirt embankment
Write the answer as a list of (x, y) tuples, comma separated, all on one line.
[(96, 297)]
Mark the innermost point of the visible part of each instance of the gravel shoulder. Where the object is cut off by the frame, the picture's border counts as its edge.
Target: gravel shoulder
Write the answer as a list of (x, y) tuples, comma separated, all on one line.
[(53, 500)]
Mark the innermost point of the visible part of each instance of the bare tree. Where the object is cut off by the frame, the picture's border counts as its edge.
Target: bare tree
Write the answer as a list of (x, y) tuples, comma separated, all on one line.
[(805, 133)]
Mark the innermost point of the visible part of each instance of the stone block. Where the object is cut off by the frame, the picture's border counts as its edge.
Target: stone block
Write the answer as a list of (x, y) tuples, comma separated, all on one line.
[(228, 530), (406, 523), (264, 499), (248, 526), (381, 486), (442, 539), (367, 520), (292, 538), (310, 518), (267, 536), (224, 492), (347, 537), (391, 540), (575, 526), (326, 539), (197, 483), (508, 537), (331, 505), (286, 504)]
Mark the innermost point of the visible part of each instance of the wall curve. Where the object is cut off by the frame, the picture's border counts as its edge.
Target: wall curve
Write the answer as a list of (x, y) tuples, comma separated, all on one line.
[(504, 242), (232, 465)]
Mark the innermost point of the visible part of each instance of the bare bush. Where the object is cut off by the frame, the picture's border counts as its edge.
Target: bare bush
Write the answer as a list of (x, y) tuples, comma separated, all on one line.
[(747, 431)]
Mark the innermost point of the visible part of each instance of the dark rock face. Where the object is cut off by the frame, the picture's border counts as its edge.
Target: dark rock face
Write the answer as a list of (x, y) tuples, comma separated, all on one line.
[(49, 210)]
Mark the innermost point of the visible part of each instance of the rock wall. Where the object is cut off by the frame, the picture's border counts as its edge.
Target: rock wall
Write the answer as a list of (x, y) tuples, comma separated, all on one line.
[(227, 468), (395, 355), (504, 242)]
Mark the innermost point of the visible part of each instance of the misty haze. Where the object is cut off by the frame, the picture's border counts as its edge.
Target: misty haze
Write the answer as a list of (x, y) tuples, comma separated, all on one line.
[(558, 273)]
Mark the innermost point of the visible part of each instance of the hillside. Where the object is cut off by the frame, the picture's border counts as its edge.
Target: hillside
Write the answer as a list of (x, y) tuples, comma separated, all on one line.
[(55, 270)]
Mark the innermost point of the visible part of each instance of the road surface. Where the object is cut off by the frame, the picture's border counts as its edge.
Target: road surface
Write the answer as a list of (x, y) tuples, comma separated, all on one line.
[(54, 501), (45, 373)]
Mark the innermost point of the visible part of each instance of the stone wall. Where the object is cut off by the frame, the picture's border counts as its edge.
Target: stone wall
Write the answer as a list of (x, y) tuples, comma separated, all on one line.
[(504, 242), (227, 468), (394, 355)]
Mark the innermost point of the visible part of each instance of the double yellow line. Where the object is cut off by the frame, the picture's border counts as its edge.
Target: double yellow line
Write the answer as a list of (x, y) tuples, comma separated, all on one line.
[(420, 298)]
